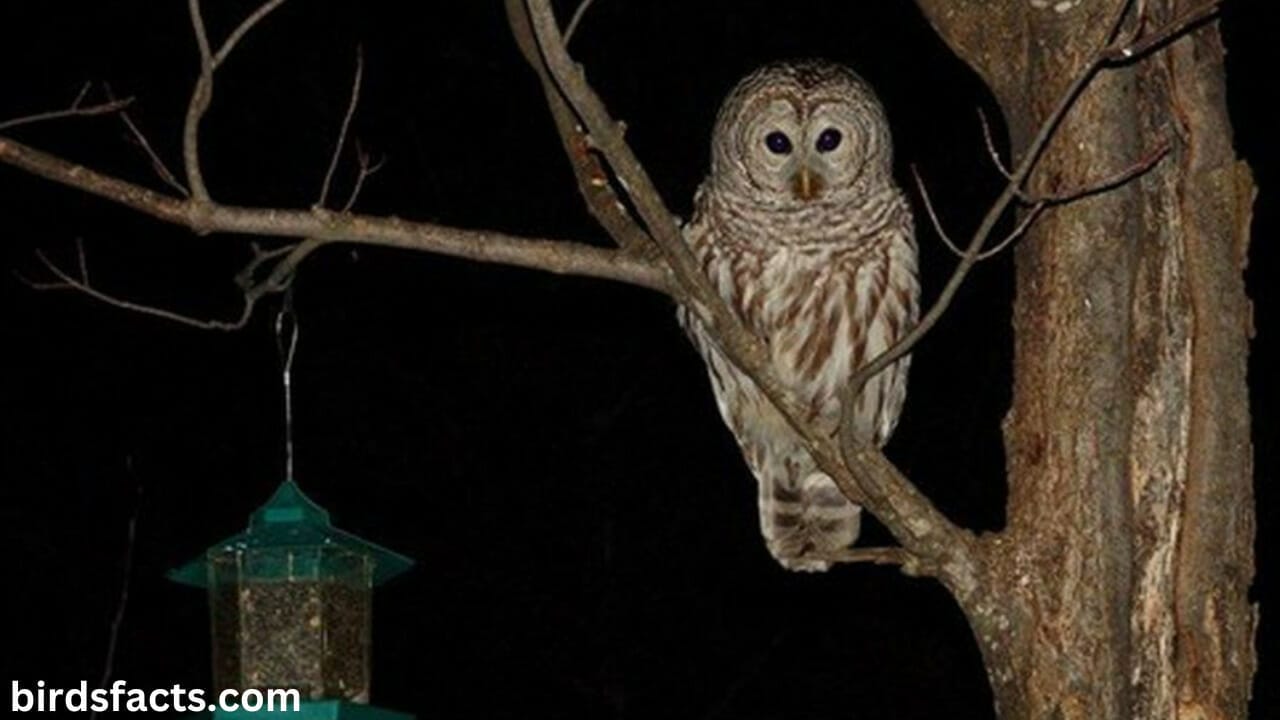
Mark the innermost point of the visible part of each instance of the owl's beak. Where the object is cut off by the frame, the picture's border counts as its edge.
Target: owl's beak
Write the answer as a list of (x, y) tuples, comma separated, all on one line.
[(806, 184)]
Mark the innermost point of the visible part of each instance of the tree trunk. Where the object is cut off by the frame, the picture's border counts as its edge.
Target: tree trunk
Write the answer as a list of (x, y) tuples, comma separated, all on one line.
[(1119, 587)]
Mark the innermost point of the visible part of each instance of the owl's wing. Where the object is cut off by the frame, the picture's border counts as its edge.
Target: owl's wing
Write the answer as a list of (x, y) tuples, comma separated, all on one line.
[(884, 301), (802, 512)]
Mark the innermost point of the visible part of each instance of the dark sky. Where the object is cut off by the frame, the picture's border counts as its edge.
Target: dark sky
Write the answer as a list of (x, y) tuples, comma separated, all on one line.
[(547, 448)]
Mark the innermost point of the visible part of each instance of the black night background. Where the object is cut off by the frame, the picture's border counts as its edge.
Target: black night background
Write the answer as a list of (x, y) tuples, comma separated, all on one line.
[(546, 448)]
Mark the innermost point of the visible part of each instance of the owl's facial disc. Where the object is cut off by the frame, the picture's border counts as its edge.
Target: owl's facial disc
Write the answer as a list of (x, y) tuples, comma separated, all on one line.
[(800, 149)]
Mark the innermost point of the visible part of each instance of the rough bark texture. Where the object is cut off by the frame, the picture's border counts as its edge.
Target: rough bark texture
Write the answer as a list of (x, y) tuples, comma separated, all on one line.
[(1119, 588)]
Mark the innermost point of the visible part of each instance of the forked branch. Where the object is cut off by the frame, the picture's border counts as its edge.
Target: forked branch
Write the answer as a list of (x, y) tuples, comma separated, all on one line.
[(202, 94)]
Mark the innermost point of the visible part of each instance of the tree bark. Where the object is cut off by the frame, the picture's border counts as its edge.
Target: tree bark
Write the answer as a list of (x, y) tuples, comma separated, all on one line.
[(1119, 587)]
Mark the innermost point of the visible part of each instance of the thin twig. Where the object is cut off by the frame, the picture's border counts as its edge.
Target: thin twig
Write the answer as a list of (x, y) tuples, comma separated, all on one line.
[(991, 147), (1120, 177), (578, 14), (162, 171), (158, 165), (75, 110), (933, 215), (1114, 180), (84, 92), (277, 280), (70, 283), (346, 126), (1154, 39), (242, 29), (1039, 203), (366, 171)]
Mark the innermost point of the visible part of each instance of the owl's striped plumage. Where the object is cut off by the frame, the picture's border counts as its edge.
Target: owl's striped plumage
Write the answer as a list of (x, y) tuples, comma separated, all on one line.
[(802, 230)]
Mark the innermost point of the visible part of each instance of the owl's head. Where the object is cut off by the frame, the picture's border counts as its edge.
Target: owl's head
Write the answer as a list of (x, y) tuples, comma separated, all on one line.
[(793, 133)]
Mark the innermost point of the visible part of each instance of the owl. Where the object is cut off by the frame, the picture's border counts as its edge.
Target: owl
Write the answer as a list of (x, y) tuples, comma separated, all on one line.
[(803, 232)]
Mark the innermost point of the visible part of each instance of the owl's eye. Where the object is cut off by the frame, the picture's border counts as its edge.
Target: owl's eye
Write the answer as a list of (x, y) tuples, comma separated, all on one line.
[(778, 143), (828, 140)]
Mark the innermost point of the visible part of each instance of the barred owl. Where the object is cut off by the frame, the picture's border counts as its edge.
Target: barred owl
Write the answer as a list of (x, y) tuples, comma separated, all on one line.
[(804, 233)]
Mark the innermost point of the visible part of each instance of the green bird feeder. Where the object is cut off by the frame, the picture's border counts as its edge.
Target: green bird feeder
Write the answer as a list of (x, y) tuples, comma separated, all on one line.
[(290, 604)]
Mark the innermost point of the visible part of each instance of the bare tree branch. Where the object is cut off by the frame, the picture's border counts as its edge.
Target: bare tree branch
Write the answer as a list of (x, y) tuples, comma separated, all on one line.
[(992, 152), (366, 171), (282, 273), (692, 287), (84, 92), (1008, 240), (73, 110), (157, 164), (593, 181), (202, 94), (242, 29), (253, 289), (933, 214), (578, 14), (1150, 40), (67, 282), (1133, 171), (554, 256)]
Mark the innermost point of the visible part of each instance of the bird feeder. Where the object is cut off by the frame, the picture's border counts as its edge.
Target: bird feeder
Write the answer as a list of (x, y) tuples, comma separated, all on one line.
[(290, 604)]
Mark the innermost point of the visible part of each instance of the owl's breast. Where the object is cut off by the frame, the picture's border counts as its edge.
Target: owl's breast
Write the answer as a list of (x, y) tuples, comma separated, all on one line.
[(824, 293)]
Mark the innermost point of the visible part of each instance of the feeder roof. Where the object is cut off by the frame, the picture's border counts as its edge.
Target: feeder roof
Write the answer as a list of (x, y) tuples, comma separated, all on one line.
[(290, 519)]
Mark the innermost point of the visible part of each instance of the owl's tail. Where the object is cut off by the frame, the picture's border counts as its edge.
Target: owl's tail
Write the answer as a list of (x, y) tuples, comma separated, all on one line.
[(804, 517)]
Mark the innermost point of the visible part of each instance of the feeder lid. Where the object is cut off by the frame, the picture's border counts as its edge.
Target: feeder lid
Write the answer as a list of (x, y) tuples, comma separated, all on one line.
[(290, 519)]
